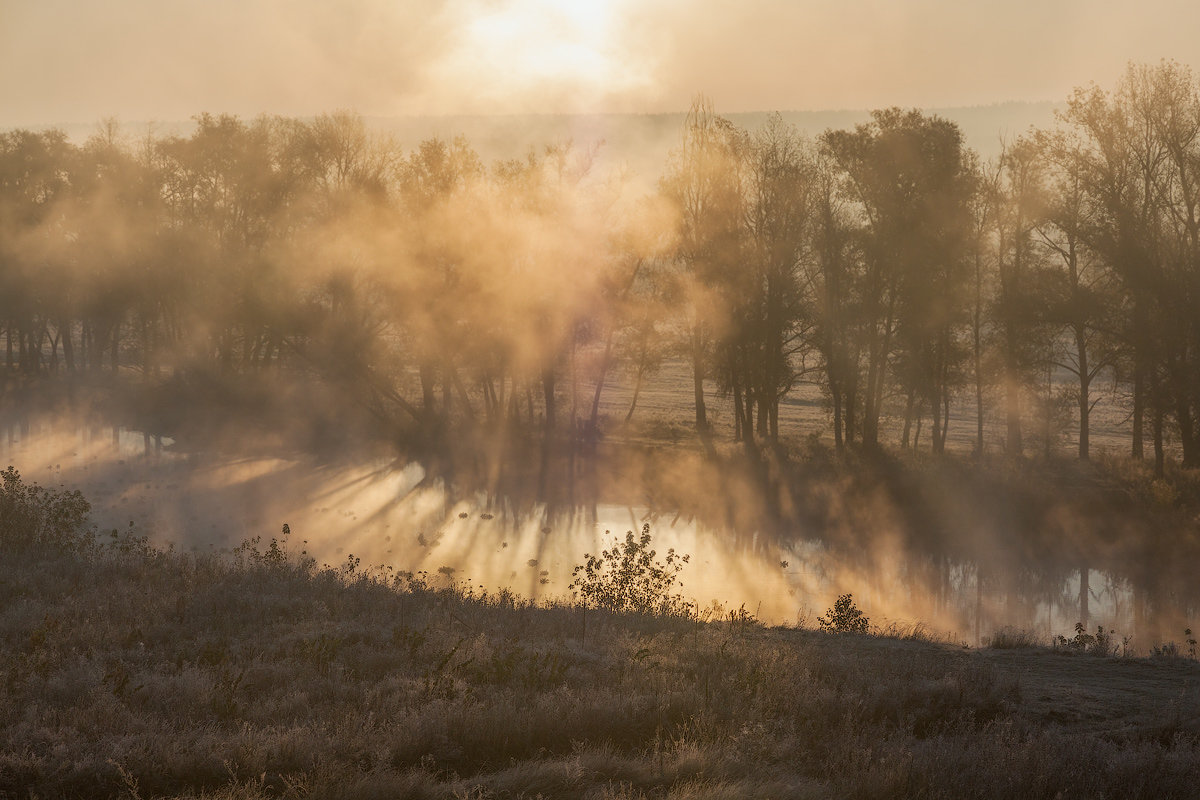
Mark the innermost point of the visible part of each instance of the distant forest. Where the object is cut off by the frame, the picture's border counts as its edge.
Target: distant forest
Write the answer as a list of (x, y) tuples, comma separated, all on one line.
[(448, 300)]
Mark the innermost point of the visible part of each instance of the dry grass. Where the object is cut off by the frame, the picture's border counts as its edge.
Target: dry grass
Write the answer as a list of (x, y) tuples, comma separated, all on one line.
[(1009, 638), (132, 672)]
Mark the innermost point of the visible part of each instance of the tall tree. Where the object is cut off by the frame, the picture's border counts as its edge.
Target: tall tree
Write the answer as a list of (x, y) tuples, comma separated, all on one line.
[(908, 174), (1082, 299), (433, 180), (833, 280), (1136, 154), (704, 182), (1020, 208), (1174, 111), (37, 170), (775, 307), (984, 206)]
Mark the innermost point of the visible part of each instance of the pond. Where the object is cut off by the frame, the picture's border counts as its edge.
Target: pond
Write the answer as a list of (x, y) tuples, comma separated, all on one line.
[(399, 517)]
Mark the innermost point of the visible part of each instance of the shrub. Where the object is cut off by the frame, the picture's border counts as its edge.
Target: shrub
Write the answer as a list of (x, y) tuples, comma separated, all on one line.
[(1101, 643), (1170, 650), (628, 579), (33, 516), (844, 617)]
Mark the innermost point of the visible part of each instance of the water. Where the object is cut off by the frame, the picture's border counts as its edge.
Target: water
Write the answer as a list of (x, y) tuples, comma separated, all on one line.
[(397, 516)]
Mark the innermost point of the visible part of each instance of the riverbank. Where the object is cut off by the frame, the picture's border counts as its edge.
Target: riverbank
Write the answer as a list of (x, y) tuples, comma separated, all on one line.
[(137, 672), (961, 545)]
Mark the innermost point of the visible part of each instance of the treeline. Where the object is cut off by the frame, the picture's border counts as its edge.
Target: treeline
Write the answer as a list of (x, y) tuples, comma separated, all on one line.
[(889, 264)]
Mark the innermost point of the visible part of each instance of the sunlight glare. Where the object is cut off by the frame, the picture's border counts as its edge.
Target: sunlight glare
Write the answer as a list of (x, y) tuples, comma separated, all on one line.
[(533, 45)]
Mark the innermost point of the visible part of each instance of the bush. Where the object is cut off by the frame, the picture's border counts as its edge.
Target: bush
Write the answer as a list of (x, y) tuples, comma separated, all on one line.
[(1101, 643), (844, 617), (627, 579), (32, 516), (1170, 650)]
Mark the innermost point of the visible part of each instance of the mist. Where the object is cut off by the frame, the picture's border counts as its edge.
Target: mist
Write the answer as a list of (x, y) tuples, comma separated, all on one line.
[(64, 62), (677, 399), (379, 344)]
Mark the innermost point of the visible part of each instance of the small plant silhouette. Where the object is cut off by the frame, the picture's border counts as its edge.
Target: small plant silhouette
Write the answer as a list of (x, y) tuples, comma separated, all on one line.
[(627, 578), (33, 516), (1101, 643), (844, 617), (1172, 650)]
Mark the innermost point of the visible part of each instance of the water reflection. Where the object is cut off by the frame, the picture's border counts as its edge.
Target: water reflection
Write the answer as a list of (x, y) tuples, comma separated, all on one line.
[(961, 572)]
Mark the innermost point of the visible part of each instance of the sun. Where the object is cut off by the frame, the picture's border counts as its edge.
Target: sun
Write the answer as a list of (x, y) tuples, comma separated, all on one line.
[(522, 47), (545, 39)]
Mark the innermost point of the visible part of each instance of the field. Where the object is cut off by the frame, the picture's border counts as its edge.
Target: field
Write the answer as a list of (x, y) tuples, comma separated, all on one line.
[(136, 672)]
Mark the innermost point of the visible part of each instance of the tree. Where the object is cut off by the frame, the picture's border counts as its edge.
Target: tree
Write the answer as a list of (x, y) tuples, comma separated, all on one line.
[(1020, 209), (1174, 112), (630, 292), (833, 279), (984, 204), (435, 183), (36, 184), (704, 183), (1136, 159), (908, 175), (774, 301), (1083, 298)]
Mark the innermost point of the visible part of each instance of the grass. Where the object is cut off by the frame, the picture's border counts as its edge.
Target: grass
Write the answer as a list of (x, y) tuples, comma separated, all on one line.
[(135, 672), (1010, 638)]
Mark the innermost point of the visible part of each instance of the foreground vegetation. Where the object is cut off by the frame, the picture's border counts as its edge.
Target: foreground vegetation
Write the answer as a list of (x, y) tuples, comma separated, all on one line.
[(136, 672)]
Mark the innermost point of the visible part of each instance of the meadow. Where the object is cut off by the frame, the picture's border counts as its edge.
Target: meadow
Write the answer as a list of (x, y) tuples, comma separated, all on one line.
[(134, 671)]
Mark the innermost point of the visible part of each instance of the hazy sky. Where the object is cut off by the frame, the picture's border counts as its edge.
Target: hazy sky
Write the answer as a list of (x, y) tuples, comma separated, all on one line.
[(80, 60)]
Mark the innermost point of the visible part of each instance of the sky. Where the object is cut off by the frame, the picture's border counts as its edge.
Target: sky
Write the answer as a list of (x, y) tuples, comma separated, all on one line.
[(71, 61)]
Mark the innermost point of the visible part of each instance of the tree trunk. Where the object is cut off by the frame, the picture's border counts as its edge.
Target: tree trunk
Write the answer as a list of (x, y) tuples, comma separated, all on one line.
[(836, 395), (1013, 443), (491, 406), (935, 427), (68, 347), (594, 417), (908, 419), (1139, 379), (54, 352), (85, 346), (738, 424), (637, 390), (1085, 380), (1187, 435), (463, 398), (870, 421), (1159, 453), (548, 379), (849, 412), (945, 417), (426, 371), (977, 352), (698, 380), (1084, 596)]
